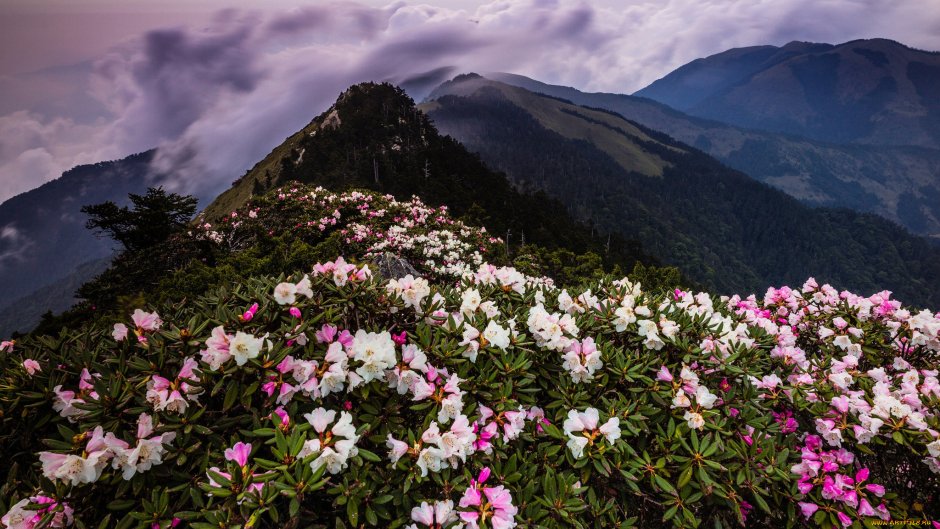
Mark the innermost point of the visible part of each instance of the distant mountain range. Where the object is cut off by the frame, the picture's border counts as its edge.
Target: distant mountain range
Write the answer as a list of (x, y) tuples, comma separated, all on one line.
[(871, 92), (899, 183), (719, 226)]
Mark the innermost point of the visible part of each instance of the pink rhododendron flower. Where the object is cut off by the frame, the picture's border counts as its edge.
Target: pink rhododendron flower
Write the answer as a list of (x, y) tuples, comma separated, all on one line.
[(663, 374), (146, 321), (238, 453), (585, 424), (120, 332), (31, 366), (438, 515), (400, 338), (808, 509), (19, 517)]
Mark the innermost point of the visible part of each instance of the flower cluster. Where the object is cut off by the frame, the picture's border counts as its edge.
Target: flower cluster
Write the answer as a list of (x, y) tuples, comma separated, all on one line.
[(102, 449), (334, 445), (827, 471), (174, 396), (144, 323), (30, 512), (367, 223), (687, 390), (487, 506)]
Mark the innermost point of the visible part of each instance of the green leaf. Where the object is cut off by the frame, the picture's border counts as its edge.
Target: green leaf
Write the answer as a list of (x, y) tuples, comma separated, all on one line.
[(685, 476), (352, 511), (121, 505), (663, 484), (369, 456)]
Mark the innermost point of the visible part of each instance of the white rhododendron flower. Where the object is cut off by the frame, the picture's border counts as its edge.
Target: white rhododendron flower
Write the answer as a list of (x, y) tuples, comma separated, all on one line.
[(244, 347), (582, 430)]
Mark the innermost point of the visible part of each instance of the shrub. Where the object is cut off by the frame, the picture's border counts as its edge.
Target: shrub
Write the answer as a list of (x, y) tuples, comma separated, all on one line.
[(484, 398)]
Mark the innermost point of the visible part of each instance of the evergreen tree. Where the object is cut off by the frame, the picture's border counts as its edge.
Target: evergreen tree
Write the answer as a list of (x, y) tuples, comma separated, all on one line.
[(154, 217)]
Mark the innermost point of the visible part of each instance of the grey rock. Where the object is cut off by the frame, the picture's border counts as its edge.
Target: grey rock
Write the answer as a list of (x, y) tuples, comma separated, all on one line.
[(391, 266)]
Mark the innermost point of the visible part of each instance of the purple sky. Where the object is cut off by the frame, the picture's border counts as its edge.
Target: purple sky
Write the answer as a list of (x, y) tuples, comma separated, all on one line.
[(216, 88)]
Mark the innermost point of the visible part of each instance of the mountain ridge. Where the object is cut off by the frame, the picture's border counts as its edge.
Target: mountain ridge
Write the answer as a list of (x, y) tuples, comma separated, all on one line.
[(726, 229), (866, 91), (900, 183)]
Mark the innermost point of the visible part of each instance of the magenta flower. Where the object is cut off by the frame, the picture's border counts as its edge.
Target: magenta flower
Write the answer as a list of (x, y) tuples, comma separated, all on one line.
[(295, 312), (269, 387), (746, 508), (877, 490), (250, 313), (283, 416), (808, 509), (664, 375), (238, 453), (326, 334), (724, 385)]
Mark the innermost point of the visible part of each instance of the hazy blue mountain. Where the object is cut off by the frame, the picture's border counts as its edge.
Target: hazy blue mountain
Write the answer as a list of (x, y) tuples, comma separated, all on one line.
[(43, 240), (718, 225), (900, 183), (873, 92)]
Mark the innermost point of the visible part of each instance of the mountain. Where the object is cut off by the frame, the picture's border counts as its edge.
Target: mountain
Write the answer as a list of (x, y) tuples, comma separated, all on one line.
[(21, 315), (45, 250), (374, 137), (870, 92), (719, 225), (900, 183)]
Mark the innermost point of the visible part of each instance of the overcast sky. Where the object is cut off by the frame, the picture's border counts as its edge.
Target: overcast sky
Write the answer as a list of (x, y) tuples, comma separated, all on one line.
[(216, 88)]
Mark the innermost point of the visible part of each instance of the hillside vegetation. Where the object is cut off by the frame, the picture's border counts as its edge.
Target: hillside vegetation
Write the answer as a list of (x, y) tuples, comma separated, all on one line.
[(476, 396)]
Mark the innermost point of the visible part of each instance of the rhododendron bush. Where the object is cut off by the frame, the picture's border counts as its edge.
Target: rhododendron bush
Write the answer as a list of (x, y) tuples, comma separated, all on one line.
[(365, 223), (482, 398)]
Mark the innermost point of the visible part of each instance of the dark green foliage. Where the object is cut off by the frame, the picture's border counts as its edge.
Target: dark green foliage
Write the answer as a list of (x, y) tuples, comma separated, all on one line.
[(154, 218), (189, 264)]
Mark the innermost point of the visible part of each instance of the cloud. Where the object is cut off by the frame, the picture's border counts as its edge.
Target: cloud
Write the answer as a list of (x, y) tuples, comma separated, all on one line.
[(13, 245), (216, 100)]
